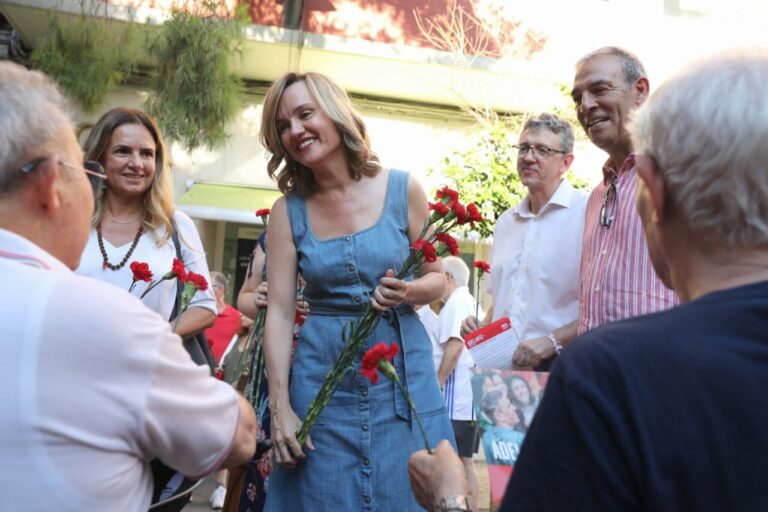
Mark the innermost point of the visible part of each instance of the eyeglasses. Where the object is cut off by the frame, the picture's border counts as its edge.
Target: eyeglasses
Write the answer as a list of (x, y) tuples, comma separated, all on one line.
[(539, 152), (608, 212), (97, 177)]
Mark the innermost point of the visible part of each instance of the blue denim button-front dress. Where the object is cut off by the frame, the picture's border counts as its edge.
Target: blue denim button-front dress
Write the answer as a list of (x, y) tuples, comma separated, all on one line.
[(365, 435)]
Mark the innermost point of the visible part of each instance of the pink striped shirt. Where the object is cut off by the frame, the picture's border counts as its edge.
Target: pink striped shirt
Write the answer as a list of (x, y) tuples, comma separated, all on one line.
[(617, 277)]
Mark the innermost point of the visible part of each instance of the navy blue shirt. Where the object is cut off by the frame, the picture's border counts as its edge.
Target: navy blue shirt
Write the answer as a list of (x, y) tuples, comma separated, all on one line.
[(663, 412)]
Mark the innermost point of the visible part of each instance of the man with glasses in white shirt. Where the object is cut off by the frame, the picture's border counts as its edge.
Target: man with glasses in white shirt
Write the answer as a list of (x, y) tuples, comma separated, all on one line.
[(537, 247), (95, 385)]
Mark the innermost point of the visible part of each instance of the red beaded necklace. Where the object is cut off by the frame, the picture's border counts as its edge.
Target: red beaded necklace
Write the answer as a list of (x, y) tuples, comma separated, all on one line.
[(122, 263)]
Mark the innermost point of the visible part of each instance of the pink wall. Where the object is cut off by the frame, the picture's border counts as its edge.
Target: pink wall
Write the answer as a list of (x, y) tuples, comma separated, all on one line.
[(394, 22)]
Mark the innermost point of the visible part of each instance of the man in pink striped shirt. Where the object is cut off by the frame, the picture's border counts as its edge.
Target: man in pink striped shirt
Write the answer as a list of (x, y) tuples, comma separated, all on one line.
[(617, 278)]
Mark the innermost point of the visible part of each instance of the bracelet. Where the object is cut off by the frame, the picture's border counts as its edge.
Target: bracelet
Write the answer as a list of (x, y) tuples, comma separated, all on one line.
[(452, 503), (557, 346)]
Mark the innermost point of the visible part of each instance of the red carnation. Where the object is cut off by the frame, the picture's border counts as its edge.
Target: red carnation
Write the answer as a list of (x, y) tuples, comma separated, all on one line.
[(179, 270), (462, 217), (197, 280), (474, 213), (427, 249), (447, 193), (450, 243), (263, 212), (482, 267), (378, 358), (439, 208), (141, 271)]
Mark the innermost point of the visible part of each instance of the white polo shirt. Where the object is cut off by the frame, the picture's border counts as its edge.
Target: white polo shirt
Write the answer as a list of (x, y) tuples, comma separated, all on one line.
[(535, 263), (93, 387), (458, 385)]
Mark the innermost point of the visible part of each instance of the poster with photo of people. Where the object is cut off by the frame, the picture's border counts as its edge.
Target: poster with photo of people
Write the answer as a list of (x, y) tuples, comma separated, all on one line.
[(505, 403)]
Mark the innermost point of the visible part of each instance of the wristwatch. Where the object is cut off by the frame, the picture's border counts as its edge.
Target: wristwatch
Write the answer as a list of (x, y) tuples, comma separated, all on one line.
[(452, 504)]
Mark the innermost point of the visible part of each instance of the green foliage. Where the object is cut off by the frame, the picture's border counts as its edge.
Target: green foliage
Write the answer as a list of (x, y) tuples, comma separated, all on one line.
[(577, 181), (86, 57), (195, 95), (486, 172)]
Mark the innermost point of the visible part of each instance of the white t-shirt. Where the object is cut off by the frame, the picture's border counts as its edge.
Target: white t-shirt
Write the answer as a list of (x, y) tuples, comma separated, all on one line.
[(160, 259), (458, 385), (535, 263), (94, 386), (429, 320)]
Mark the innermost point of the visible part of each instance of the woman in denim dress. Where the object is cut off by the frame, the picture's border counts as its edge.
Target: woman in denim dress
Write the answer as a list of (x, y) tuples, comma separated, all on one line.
[(344, 223)]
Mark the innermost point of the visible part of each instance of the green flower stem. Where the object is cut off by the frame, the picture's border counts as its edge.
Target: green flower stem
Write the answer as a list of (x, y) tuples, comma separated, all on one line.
[(151, 287), (361, 329), (415, 414), (257, 351)]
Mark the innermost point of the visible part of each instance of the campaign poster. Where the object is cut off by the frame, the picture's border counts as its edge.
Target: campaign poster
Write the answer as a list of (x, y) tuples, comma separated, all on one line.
[(505, 403)]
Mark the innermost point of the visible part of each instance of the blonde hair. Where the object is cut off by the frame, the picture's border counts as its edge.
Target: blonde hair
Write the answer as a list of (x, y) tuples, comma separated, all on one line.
[(157, 203), (335, 102)]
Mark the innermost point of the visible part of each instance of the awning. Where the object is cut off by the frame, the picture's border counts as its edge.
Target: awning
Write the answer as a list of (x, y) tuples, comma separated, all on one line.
[(229, 203)]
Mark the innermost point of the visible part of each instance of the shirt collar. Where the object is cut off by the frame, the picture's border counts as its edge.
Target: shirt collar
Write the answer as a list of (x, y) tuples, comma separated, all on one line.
[(17, 248), (610, 171), (562, 197)]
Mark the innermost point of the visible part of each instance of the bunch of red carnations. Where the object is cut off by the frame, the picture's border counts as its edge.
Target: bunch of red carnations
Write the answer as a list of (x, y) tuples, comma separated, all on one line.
[(190, 281), (434, 241)]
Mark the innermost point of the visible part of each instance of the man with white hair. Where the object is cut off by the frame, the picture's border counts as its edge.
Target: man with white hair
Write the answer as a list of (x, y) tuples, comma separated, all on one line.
[(453, 362), (668, 411), (94, 385)]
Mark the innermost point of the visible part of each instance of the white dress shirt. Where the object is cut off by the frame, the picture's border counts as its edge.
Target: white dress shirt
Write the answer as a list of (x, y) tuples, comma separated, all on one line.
[(535, 263), (94, 386)]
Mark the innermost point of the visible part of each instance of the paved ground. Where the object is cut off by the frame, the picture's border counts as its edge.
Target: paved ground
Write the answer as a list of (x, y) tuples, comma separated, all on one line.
[(200, 497)]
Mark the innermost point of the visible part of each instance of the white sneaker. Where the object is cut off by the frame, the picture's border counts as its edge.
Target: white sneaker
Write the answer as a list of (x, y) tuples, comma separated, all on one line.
[(217, 498)]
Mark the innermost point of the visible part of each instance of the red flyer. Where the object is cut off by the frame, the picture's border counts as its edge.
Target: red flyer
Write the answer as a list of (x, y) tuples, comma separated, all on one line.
[(493, 345)]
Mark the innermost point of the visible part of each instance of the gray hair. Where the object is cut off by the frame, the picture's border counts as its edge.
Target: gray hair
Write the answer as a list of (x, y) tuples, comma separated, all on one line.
[(219, 279), (553, 123), (31, 114), (707, 129), (457, 268), (630, 64)]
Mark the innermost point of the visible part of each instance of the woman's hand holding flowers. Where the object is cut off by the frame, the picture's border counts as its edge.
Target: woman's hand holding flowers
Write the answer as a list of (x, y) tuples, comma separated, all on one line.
[(390, 293), (285, 424)]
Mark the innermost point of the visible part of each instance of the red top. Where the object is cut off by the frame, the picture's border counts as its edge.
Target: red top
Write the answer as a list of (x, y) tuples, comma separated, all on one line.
[(221, 332)]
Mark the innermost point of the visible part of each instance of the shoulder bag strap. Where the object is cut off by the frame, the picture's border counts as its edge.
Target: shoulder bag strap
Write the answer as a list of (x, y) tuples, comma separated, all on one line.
[(177, 245)]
